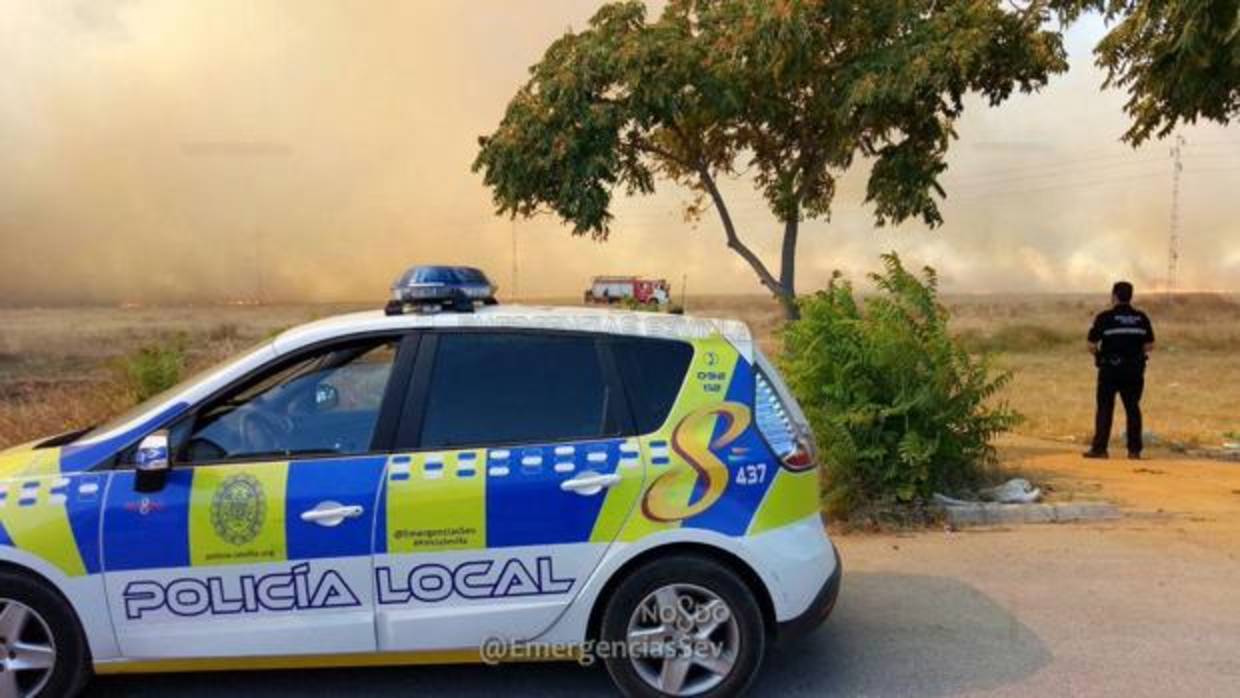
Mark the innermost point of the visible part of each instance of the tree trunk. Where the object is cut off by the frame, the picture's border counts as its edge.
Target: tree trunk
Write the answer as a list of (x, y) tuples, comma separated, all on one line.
[(788, 271), (784, 288)]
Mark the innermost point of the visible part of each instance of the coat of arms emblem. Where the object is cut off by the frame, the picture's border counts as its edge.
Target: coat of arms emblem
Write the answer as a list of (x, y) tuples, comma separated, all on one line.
[(238, 508)]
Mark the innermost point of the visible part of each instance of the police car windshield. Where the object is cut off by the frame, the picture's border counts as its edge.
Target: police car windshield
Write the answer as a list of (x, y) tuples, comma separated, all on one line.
[(149, 403)]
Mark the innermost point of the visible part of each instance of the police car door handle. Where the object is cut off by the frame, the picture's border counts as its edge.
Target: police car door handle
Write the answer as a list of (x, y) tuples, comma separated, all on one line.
[(331, 513), (589, 483)]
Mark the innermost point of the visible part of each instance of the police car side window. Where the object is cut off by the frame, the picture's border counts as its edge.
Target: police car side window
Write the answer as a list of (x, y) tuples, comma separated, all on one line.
[(511, 388), (324, 404), (653, 371)]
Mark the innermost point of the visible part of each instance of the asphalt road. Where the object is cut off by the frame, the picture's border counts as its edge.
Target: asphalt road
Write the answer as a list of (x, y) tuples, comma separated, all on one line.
[(1145, 606), (892, 632)]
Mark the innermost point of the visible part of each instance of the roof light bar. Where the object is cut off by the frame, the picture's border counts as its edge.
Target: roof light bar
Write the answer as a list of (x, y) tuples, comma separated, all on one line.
[(435, 288)]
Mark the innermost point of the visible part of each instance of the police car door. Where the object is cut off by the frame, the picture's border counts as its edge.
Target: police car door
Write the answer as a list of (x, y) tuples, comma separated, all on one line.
[(518, 479), (259, 542)]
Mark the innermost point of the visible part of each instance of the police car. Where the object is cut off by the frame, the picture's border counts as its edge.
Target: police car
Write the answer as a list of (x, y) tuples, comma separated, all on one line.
[(408, 486)]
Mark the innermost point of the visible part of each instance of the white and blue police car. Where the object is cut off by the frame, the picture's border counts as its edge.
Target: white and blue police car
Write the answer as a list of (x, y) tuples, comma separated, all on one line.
[(427, 484)]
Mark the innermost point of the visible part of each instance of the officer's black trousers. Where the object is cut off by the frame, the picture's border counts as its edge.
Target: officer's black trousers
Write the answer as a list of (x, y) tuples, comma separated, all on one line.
[(1129, 384)]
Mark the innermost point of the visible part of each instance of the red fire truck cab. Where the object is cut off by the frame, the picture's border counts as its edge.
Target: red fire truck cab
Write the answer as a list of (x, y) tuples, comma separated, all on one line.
[(614, 289)]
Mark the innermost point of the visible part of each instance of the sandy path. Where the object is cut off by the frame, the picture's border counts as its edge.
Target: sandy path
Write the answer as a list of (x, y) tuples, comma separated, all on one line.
[(1190, 499)]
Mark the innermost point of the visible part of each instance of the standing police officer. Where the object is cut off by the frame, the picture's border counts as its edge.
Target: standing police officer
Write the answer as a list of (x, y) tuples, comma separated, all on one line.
[(1120, 340)]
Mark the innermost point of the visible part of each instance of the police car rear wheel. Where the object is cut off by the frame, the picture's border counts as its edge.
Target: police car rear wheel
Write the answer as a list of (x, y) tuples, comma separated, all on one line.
[(42, 651), (683, 626)]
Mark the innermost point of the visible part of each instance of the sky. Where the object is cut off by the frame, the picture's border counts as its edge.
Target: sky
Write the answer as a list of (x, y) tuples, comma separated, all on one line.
[(308, 150)]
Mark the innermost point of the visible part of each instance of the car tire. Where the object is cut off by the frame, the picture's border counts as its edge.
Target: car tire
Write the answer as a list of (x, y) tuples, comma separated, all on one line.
[(42, 620), (634, 631)]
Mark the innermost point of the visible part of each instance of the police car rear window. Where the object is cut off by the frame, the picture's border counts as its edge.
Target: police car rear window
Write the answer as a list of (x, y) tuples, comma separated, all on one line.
[(653, 371), (502, 388)]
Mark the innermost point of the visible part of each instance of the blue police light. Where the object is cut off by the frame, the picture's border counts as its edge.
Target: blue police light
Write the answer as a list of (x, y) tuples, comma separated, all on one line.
[(428, 288)]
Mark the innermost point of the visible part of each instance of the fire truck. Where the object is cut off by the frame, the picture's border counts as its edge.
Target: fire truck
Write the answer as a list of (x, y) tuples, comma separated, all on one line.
[(614, 289)]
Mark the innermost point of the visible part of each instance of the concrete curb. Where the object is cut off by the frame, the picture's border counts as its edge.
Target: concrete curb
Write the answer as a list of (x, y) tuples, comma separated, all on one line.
[(985, 513), (1228, 455)]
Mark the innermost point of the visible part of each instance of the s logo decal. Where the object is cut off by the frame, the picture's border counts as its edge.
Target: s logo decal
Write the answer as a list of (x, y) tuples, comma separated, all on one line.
[(668, 497)]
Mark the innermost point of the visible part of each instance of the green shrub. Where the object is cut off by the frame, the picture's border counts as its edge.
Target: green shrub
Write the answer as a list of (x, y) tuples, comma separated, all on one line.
[(154, 368), (900, 408)]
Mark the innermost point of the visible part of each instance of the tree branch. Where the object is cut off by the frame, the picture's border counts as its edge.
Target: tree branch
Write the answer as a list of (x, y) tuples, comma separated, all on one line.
[(734, 241), (708, 182), (656, 150)]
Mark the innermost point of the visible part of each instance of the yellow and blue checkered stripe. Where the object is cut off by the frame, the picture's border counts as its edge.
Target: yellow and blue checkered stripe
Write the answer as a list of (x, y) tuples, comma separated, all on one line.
[(55, 518), (498, 497)]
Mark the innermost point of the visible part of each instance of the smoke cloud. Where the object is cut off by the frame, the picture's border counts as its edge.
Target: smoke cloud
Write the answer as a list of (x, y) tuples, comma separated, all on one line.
[(310, 149)]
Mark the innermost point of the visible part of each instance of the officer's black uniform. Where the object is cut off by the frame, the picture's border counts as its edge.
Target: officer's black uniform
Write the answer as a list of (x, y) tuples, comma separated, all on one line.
[(1123, 332)]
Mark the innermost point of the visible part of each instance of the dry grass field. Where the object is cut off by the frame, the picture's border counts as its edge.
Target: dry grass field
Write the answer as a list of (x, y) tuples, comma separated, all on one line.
[(1193, 380), (60, 367)]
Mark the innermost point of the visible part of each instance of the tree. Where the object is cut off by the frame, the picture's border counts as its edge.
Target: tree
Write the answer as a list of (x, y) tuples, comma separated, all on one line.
[(796, 91), (1179, 60)]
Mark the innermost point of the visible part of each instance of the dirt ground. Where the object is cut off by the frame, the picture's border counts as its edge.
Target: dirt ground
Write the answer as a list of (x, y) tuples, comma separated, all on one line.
[(1194, 498)]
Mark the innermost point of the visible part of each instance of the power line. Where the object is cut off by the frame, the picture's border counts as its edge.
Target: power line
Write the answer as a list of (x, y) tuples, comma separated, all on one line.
[(1066, 185), (1212, 144), (1059, 170), (1196, 170), (1101, 156), (1058, 173), (1056, 166)]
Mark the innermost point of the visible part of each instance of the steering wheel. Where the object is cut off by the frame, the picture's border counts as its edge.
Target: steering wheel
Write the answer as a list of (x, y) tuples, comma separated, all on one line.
[(261, 432)]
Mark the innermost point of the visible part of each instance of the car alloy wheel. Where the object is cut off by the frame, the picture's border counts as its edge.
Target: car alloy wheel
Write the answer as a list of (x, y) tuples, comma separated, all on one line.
[(683, 640), (28, 650)]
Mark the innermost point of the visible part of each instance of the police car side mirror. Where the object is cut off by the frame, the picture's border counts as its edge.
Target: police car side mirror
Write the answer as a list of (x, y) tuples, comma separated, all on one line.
[(151, 462)]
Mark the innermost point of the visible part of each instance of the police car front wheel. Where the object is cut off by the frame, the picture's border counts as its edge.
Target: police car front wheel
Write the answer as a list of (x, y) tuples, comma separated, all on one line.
[(42, 651), (689, 626)]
